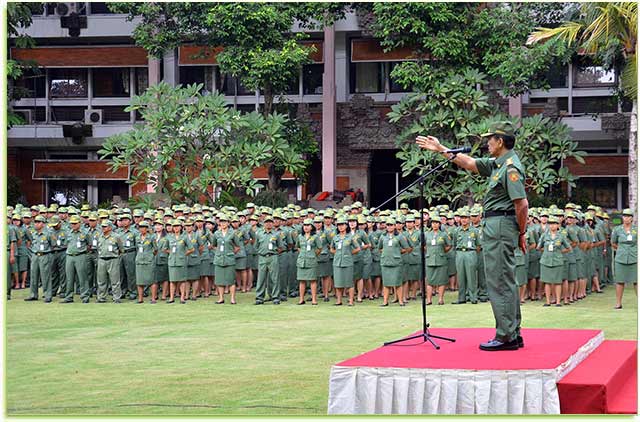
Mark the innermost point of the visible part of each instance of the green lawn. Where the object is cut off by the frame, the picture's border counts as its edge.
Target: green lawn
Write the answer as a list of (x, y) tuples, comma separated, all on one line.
[(204, 359)]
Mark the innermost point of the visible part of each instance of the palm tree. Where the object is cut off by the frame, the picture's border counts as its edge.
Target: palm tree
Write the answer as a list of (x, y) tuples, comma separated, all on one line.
[(607, 30)]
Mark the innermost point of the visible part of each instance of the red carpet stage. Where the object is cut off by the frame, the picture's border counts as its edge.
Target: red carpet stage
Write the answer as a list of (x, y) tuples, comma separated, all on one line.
[(414, 378)]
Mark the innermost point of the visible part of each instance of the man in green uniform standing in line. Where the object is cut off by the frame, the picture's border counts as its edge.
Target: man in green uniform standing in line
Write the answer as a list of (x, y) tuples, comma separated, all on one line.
[(505, 225), (476, 222), (128, 259), (59, 278), (465, 241), (42, 243), (76, 265), (92, 266), (109, 250), (268, 244)]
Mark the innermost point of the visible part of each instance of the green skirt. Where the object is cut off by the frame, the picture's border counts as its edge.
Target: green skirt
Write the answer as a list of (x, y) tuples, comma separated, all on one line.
[(573, 272), (366, 269), (177, 274), (252, 261), (534, 266), (206, 268), (193, 272), (357, 270), (306, 274), (551, 275), (23, 262), (376, 270), (413, 272), (565, 270), (391, 276), (437, 276), (521, 275), (160, 272), (241, 263), (145, 274), (343, 277), (225, 276), (625, 273), (325, 269)]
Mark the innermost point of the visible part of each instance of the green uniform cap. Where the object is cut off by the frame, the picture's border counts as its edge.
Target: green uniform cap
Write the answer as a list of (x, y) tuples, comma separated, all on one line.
[(627, 211), (143, 223), (105, 223), (307, 222), (553, 219), (500, 128), (390, 220), (74, 220), (341, 220)]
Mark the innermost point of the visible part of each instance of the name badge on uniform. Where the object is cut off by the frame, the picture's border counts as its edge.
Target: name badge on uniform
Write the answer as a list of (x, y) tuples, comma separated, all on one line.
[(308, 246), (551, 247), (629, 237), (173, 250), (78, 244), (58, 242), (95, 242), (270, 246), (41, 247), (390, 242), (339, 245), (127, 243), (433, 242), (140, 249), (221, 248), (110, 248), (469, 244)]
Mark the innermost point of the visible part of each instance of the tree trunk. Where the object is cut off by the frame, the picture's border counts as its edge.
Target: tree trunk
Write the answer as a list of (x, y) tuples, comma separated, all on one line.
[(275, 176), (633, 159), (268, 100)]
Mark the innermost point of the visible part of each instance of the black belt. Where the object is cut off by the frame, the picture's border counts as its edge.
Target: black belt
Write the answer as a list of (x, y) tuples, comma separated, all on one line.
[(77, 254), (130, 250), (499, 213), (269, 254), (42, 253), (465, 249), (107, 259)]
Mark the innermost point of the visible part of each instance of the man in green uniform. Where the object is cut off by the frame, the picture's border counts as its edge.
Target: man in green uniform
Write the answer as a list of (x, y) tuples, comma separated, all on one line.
[(465, 241), (268, 244), (109, 250), (128, 258), (92, 267), (77, 261), (505, 224), (42, 243), (12, 248), (59, 278)]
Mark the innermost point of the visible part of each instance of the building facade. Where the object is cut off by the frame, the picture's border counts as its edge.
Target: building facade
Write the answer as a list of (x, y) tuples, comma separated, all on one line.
[(90, 78)]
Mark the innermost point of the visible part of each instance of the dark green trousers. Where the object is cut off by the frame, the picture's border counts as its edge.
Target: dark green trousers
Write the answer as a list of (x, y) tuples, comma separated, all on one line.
[(467, 269), (500, 239), (58, 276), (41, 272), (268, 282), (77, 272)]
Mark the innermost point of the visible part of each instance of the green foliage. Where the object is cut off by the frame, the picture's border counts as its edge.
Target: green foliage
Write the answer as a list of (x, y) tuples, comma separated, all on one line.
[(231, 199), (490, 39), (149, 201), (14, 190), (452, 109), (271, 198)]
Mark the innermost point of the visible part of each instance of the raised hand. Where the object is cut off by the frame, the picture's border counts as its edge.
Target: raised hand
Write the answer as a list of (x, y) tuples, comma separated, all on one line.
[(429, 142)]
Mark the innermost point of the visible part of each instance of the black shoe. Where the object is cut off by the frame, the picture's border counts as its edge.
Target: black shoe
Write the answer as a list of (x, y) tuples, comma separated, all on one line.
[(302, 303), (484, 300), (474, 302), (31, 299), (520, 342), (382, 305), (85, 300), (49, 300), (293, 294), (259, 302), (171, 301), (458, 303), (496, 345), (337, 304), (67, 301), (101, 301), (276, 301), (547, 304), (326, 299), (219, 302), (183, 302), (283, 299), (618, 307)]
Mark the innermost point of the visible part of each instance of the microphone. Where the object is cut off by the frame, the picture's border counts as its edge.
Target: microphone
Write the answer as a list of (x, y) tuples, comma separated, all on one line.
[(461, 150)]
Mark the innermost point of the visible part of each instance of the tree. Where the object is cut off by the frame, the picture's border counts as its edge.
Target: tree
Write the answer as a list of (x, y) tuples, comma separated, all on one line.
[(451, 107), (191, 142), (19, 15), (258, 46), (608, 31)]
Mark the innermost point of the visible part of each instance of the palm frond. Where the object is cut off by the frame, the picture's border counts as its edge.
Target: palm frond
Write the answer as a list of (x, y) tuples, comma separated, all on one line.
[(568, 32), (629, 77)]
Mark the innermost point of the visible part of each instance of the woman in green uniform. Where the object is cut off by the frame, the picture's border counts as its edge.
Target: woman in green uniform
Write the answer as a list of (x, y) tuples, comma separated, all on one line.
[(352, 221), (309, 247), (522, 263), (178, 252), (392, 245), (593, 279), (413, 258), (344, 247), (330, 231), (161, 265), (242, 239), (624, 240), (226, 246), (376, 269), (553, 246), (324, 258), (145, 258), (533, 272), (210, 269), (206, 260), (193, 260), (365, 256), (437, 244)]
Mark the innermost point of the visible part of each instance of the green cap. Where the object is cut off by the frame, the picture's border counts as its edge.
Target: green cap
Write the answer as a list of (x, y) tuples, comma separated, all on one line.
[(627, 211), (105, 223), (390, 220), (268, 217), (138, 212), (500, 128), (341, 220), (74, 219), (464, 213), (55, 220), (307, 222), (143, 223), (404, 206), (318, 219), (553, 219), (40, 219)]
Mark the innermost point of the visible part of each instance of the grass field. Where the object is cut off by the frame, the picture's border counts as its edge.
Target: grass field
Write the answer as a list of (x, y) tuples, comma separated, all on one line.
[(207, 359)]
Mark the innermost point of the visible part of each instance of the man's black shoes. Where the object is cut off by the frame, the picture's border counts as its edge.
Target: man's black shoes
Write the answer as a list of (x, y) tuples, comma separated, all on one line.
[(496, 345)]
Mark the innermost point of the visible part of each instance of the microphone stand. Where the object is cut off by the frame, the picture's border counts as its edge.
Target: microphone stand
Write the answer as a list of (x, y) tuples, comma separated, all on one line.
[(425, 335)]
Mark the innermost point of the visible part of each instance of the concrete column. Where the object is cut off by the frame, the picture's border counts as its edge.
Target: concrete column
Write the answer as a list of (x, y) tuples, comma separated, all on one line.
[(515, 106), (153, 78), (329, 111), (171, 71)]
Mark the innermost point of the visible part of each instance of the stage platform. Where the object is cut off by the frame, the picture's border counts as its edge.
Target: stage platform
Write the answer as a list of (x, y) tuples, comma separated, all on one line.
[(415, 378)]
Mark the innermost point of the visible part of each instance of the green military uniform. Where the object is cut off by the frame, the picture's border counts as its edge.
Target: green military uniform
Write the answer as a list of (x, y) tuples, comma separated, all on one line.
[(292, 263), (242, 239), (324, 259), (307, 260), (552, 259), (77, 263), (206, 257), (42, 243), (224, 259), (128, 261), (437, 270), (571, 233), (482, 281), (376, 268), (109, 250), (466, 244), (193, 260), (268, 242), (177, 257), (533, 233), (390, 247), (161, 262), (145, 259), (500, 239), (343, 260), (283, 262), (92, 256), (413, 258), (626, 254), (11, 238), (451, 255), (59, 256)]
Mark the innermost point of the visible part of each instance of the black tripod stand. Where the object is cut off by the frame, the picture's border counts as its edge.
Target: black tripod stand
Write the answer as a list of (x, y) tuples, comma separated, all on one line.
[(425, 335)]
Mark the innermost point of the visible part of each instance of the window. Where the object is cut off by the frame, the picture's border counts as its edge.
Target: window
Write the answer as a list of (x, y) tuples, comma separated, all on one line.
[(115, 114), (587, 74), (67, 192), (99, 8), (231, 86), (32, 84), (595, 105), (312, 79), (600, 190), (367, 77), (393, 85), (142, 80), (294, 86), (561, 102), (111, 82), (107, 189), (558, 75), (246, 108), (67, 114), (190, 75), (38, 114), (68, 83)]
